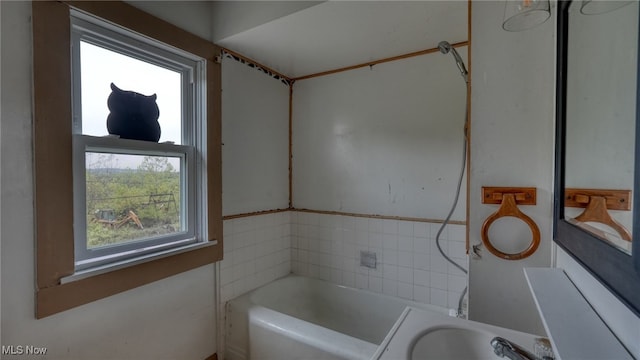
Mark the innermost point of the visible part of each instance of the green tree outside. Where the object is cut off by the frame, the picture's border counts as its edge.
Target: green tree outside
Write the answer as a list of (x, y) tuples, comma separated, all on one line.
[(151, 192)]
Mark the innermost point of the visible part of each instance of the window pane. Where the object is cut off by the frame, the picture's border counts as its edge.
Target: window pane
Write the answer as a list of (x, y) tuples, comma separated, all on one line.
[(101, 67), (132, 197)]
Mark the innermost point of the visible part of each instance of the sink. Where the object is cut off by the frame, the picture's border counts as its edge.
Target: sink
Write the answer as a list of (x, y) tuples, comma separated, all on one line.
[(422, 334), (453, 343)]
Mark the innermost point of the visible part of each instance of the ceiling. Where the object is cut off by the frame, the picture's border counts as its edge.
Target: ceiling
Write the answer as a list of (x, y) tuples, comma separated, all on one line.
[(337, 34)]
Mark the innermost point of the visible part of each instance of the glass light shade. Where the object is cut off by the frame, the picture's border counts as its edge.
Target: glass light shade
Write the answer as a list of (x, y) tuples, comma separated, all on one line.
[(524, 14), (595, 7)]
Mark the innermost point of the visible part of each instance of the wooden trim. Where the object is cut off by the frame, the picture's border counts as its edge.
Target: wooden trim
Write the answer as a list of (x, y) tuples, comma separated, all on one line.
[(291, 146), (468, 124), (376, 62), (212, 357), (214, 152), (53, 180), (326, 212), (251, 61), (55, 299), (386, 217), (255, 213), (53, 169), (148, 25)]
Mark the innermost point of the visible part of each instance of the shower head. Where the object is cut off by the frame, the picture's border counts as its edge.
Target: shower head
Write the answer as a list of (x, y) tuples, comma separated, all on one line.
[(445, 48)]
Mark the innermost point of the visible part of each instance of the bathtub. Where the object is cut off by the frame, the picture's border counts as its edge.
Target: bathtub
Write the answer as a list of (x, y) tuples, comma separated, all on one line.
[(302, 318)]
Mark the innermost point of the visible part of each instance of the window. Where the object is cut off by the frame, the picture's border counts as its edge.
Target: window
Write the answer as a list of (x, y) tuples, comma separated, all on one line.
[(134, 198), (113, 213)]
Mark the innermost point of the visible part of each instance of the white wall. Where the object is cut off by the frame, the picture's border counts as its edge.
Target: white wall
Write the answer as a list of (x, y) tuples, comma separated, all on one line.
[(255, 177), (255, 134), (382, 140), (169, 319), (193, 16), (232, 17), (512, 143)]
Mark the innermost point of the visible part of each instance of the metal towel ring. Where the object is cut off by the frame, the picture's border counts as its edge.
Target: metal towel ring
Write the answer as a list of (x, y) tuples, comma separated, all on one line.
[(509, 208)]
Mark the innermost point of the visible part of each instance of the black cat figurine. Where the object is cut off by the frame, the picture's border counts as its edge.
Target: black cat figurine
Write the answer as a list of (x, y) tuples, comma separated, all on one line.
[(133, 115)]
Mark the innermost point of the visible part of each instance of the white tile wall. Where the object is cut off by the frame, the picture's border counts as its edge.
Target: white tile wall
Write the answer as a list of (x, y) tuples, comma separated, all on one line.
[(409, 264), (256, 251), (259, 249)]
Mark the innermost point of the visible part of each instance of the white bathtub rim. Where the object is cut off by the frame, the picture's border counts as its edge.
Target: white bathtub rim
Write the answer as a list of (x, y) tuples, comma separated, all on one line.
[(352, 348), (249, 296)]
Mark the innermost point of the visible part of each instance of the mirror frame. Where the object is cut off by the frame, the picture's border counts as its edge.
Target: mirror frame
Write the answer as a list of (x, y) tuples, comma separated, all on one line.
[(616, 270)]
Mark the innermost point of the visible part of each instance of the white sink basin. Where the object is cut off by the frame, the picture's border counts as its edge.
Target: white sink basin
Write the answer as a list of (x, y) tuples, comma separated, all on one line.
[(453, 343), (423, 334)]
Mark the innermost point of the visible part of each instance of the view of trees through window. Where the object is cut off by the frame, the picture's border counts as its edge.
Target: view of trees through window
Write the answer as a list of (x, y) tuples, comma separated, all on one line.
[(131, 197)]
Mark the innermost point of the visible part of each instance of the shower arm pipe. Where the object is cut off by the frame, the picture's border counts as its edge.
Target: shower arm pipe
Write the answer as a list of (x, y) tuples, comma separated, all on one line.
[(379, 61)]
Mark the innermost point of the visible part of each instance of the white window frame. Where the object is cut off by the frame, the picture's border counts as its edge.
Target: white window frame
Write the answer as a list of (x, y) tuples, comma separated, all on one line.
[(193, 178)]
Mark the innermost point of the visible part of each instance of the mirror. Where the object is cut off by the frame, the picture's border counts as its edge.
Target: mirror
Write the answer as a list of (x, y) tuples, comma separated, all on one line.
[(600, 116), (597, 180)]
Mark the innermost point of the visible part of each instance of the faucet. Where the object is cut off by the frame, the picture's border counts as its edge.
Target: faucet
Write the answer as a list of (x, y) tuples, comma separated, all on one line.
[(505, 348)]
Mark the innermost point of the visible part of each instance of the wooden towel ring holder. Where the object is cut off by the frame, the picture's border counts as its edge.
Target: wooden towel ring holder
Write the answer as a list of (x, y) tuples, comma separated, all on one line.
[(596, 211), (509, 208)]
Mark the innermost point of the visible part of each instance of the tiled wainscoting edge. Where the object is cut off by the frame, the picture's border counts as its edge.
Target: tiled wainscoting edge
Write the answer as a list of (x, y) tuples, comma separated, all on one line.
[(257, 250), (262, 248), (409, 264)]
